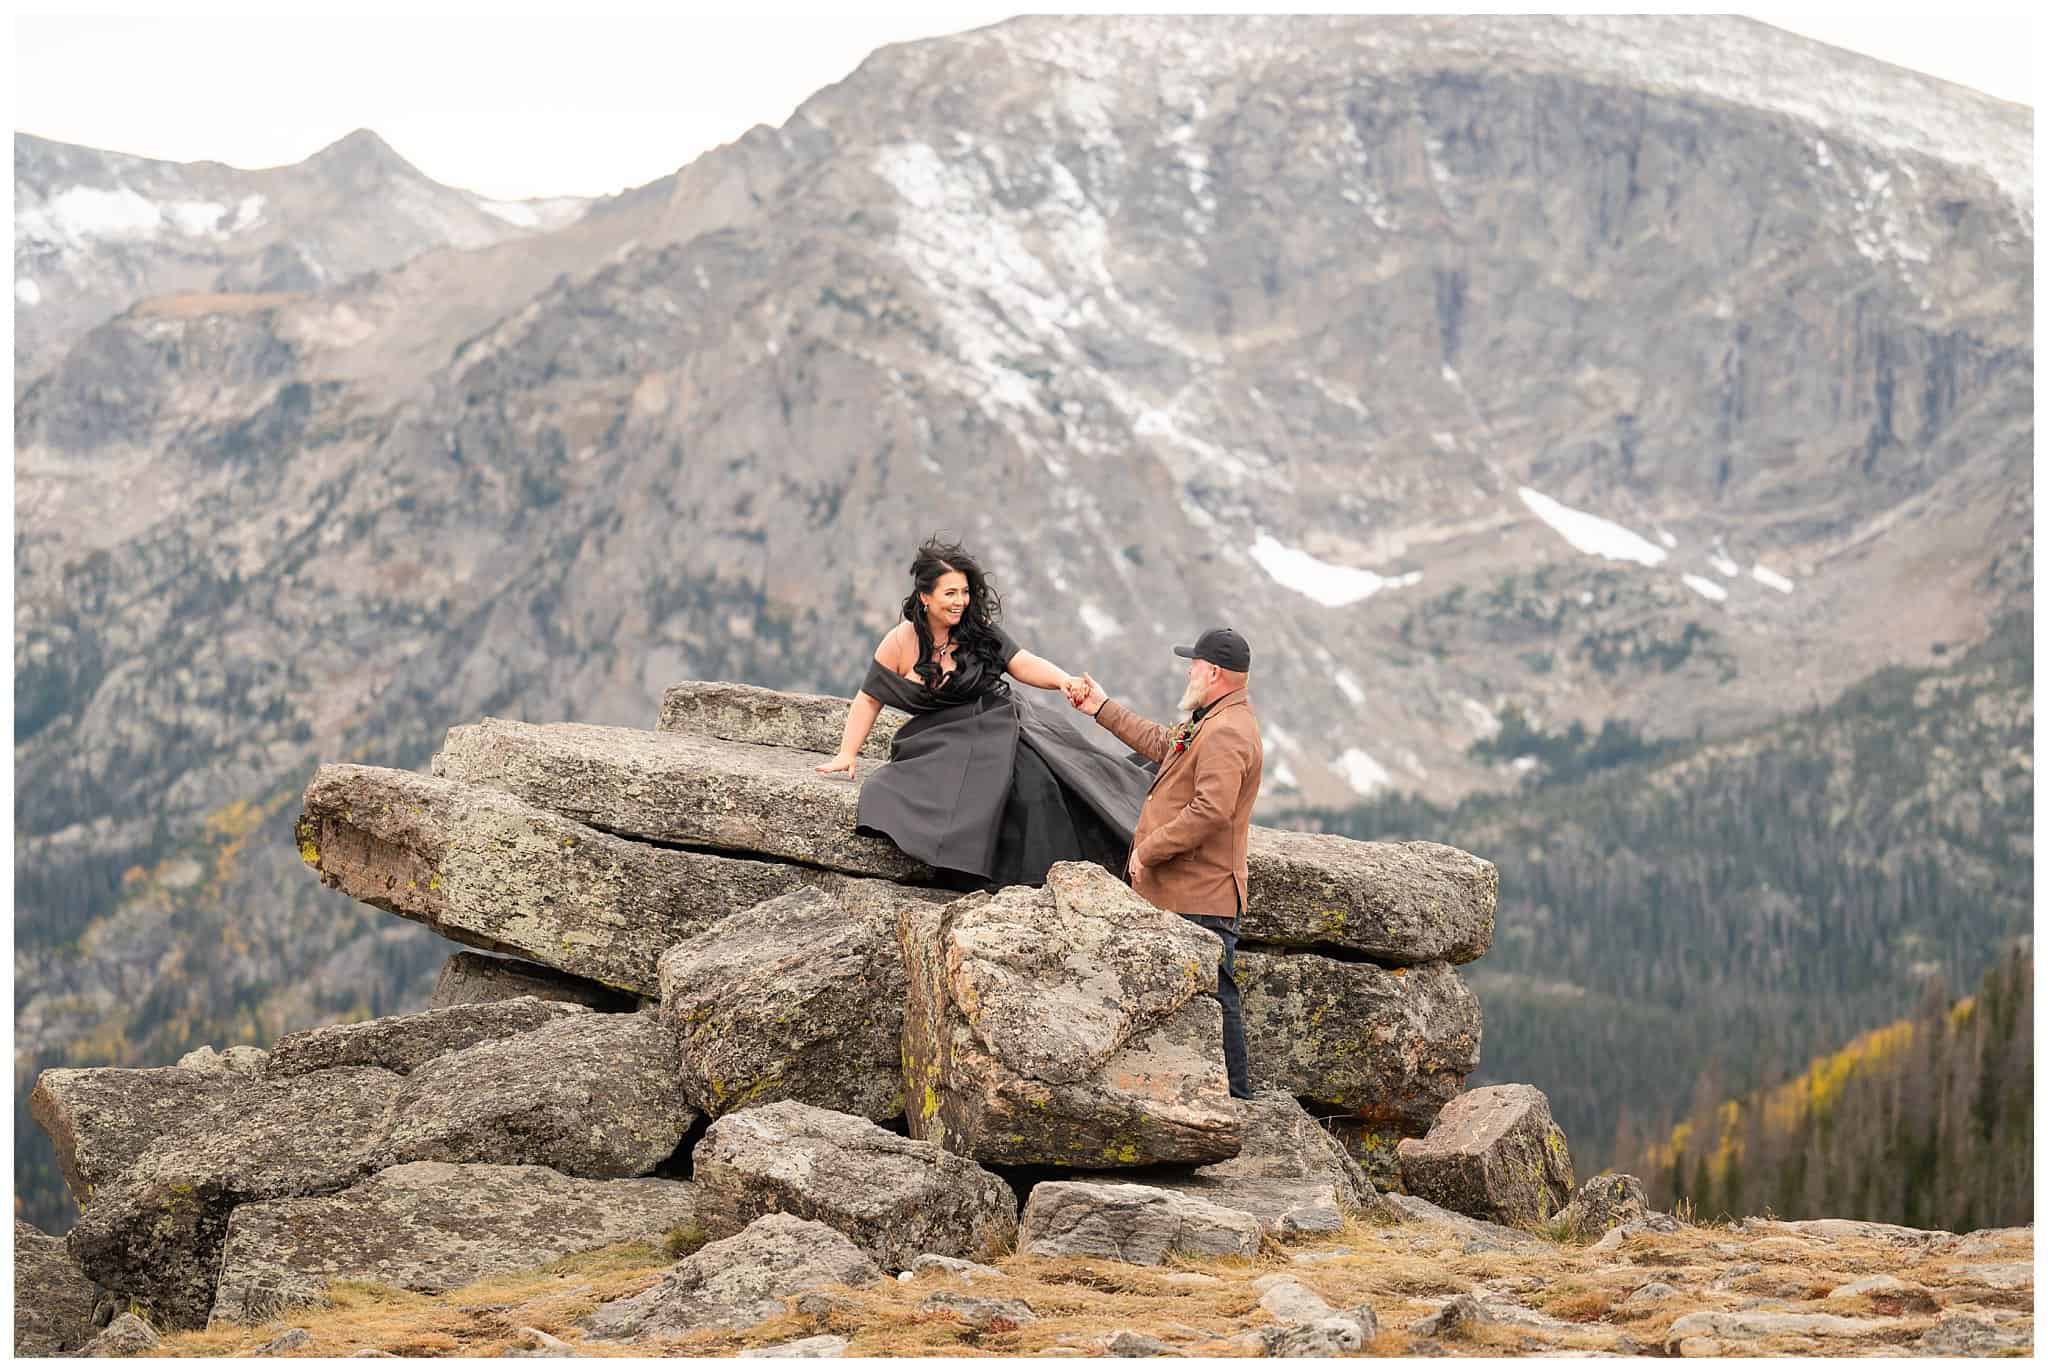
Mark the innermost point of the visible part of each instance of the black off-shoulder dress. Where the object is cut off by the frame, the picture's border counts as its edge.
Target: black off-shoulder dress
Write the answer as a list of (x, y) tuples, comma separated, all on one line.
[(991, 787)]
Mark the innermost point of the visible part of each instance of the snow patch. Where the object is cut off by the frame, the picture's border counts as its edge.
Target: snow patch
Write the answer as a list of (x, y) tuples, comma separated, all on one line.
[(196, 218), (1348, 684), (511, 211), (1326, 583), (1664, 536), (1724, 564), (1099, 625), (1361, 772), (1771, 578), (1591, 534), (27, 292), (83, 213), (1711, 590), (1483, 719)]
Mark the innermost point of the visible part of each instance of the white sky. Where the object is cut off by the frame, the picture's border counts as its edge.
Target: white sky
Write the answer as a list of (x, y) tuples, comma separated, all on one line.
[(514, 104)]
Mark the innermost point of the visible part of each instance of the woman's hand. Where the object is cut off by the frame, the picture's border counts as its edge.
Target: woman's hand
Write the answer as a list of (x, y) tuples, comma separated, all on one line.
[(841, 763)]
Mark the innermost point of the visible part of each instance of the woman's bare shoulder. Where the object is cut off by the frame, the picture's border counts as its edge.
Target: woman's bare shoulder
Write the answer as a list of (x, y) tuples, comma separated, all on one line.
[(898, 649)]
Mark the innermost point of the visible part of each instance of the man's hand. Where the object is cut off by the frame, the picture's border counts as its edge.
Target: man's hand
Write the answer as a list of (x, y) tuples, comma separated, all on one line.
[(1137, 869), (1090, 697)]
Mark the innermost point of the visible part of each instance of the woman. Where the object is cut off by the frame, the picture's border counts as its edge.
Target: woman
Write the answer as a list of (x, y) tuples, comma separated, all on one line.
[(988, 788)]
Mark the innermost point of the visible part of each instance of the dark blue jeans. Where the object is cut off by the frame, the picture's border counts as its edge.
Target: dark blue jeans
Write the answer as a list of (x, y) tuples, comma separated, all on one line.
[(1236, 1062)]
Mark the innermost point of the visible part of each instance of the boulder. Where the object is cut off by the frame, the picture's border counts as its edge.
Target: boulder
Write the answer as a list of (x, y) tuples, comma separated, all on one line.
[(1329, 1336), (816, 1346), (400, 1043), (677, 788), (591, 1095), (1968, 1336), (241, 1058), (1494, 1153), (738, 1281), (430, 1226), (1069, 1025), (477, 979), (739, 713), (1602, 1202), (485, 869), (102, 1119), (797, 998), (1371, 1145), (1289, 1173), (1395, 903), (53, 1300), (1142, 1225), (894, 1197), (155, 1236), (1389, 1045), (128, 1335), (985, 1313)]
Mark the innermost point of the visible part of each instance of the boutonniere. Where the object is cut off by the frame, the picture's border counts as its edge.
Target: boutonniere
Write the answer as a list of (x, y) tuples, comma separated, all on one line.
[(1180, 735)]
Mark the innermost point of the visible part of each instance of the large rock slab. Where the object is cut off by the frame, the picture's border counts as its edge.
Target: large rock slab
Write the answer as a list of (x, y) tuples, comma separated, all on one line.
[(1068, 1025), (102, 1119), (896, 1198), (797, 998), (676, 788), (1396, 903), (738, 1281), (1389, 1045), (430, 1226), (1483, 1233), (483, 868), (400, 1043), (1129, 1223), (1494, 1153), (155, 1236), (591, 1095), (739, 713), (1290, 1174), (479, 979), (53, 1299)]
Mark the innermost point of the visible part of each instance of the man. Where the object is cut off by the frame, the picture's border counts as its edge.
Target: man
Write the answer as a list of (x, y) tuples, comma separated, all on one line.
[(1188, 854)]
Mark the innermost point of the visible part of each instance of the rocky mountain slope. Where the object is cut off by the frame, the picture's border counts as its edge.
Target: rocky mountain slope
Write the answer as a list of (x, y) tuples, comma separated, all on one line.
[(1664, 370), (96, 231)]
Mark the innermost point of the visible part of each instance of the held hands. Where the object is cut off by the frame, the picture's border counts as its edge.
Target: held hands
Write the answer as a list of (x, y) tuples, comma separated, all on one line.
[(841, 763), (1084, 694), (1137, 869)]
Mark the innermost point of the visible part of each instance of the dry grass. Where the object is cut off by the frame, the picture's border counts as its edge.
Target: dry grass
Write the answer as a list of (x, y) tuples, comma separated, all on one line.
[(1402, 1272)]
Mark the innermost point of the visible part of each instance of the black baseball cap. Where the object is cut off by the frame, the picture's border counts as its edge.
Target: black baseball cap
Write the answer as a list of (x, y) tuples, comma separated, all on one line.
[(1224, 647)]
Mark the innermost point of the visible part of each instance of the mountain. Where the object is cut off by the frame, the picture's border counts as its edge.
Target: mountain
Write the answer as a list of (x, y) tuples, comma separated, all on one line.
[(1669, 372), (1708, 917), (95, 232)]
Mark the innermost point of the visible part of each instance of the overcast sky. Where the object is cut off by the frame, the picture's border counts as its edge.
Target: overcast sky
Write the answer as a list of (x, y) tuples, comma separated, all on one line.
[(514, 104)]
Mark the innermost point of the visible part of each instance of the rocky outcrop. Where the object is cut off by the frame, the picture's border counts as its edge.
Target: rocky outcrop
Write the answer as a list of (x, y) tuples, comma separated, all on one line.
[(740, 713), (103, 1118), (1067, 1025), (1389, 1045), (895, 1198), (53, 1300), (483, 868), (1129, 1223), (591, 1095), (478, 979), (1396, 903), (1494, 1153), (400, 1043), (156, 1234), (1290, 1174), (738, 1281), (797, 998), (676, 788), (430, 1226), (240, 1058), (1601, 1203)]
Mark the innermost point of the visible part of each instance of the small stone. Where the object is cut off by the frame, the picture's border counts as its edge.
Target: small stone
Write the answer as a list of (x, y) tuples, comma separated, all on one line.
[(1128, 1343), (1288, 1300), (1455, 1316), (283, 1343), (127, 1335), (1651, 1293), (977, 1312), (1966, 1336), (816, 1346), (928, 1263), (1330, 1336), (1999, 1276)]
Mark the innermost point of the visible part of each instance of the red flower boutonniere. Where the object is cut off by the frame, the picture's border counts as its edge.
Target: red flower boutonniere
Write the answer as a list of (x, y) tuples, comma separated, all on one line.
[(1181, 734)]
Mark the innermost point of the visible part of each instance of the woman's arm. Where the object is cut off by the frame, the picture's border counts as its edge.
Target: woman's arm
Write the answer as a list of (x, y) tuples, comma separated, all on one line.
[(1033, 670), (865, 710)]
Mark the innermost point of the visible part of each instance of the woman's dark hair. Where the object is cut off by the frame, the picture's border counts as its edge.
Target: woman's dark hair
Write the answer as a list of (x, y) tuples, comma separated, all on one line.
[(977, 631)]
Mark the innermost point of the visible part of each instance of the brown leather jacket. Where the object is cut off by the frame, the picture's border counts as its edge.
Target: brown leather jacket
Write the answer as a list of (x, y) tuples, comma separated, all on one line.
[(1193, 831)]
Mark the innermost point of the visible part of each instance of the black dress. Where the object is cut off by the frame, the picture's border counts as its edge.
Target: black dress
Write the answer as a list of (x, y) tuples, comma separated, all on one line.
[(991, 787)]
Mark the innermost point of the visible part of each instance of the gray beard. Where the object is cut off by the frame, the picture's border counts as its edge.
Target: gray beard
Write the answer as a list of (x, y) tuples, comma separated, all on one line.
[(1192, 697)]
